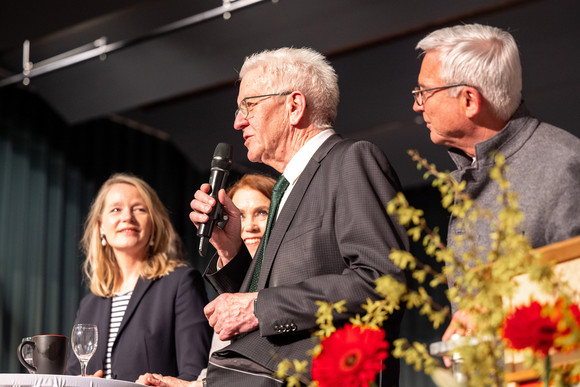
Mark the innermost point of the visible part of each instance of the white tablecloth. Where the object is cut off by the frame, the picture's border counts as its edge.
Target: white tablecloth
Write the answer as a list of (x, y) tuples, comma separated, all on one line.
[(43, 380)]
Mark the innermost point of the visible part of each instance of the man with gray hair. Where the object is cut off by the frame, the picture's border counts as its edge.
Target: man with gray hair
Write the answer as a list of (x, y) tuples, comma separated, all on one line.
[(331, 234), (469, 93)]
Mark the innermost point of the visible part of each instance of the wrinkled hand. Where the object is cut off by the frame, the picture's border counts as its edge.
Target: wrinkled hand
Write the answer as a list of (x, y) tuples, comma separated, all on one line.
[(147, 379), (463, 324), (165, 381), (231, 314), (98, 374), (227, 241)]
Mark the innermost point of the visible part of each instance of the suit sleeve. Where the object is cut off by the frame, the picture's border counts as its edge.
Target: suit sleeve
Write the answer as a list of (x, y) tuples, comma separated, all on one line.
[(229, 279), (192, 331), (355, 237)]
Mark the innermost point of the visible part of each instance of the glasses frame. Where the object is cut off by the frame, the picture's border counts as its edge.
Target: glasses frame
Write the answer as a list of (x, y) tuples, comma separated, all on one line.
[(244, 103), (418, 93)]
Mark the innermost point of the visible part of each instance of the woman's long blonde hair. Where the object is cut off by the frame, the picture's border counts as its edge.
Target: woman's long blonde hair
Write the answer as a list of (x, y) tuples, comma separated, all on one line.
[(165, 251)]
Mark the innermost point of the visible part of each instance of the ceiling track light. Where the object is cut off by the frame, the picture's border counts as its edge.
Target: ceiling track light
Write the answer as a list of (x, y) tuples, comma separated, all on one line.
[(100, 48)]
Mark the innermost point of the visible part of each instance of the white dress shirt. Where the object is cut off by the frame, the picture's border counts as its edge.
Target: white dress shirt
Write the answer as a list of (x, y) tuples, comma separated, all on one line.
[(297, 164)]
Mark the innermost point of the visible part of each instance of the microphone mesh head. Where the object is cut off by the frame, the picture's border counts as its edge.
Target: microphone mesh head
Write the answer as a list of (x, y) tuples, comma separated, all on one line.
[(222, 156)]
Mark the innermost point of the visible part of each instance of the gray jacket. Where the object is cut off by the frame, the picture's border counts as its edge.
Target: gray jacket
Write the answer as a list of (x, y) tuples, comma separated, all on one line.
[(544, 170)]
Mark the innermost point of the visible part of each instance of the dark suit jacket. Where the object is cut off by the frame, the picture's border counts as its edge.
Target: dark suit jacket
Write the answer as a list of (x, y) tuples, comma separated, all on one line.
[(330, 242), (164, 329)]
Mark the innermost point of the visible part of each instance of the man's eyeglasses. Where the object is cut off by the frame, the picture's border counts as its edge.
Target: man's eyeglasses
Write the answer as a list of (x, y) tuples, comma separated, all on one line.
[(245, 106), (418, 92)]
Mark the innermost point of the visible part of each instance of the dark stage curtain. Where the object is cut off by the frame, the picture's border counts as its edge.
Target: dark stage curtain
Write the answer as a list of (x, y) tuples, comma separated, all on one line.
[(49, 173)]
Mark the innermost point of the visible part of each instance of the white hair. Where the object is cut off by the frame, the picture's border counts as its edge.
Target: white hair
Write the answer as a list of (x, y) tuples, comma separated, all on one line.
[(484, 57), (299, 69)]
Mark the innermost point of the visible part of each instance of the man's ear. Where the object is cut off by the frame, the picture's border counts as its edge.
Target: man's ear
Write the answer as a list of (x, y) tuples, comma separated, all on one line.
[(297, 102), (471, 101)]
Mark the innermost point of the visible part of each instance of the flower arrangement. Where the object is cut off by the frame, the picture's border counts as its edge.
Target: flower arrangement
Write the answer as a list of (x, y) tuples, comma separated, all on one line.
[(483, 278), (530, 327), (542, 328), (351, 356)]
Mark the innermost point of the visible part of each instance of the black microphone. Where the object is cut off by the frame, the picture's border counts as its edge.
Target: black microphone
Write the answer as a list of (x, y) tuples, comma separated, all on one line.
[(220, 169)]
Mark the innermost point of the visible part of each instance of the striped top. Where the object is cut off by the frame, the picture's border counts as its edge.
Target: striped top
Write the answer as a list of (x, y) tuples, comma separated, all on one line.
[(118, 307)]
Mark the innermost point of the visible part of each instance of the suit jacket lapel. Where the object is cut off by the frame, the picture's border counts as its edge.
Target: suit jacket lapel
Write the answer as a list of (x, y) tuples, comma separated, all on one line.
[(290, 207), (138, 293)]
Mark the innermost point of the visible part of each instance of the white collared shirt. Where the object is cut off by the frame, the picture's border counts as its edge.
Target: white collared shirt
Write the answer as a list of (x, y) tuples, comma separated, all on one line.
[(297, 164)]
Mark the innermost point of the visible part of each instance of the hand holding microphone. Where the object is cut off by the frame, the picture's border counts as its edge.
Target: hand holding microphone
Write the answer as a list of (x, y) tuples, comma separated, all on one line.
[(207, 205)]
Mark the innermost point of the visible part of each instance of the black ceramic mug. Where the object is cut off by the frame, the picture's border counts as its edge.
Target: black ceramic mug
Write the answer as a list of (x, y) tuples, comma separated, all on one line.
[(48, 354)]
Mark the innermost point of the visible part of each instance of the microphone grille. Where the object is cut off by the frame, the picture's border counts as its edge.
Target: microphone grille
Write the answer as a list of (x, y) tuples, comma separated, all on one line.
[(222, 156)]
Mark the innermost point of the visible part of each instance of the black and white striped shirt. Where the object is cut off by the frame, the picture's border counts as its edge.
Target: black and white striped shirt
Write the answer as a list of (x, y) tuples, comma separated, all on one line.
[(118, 307)]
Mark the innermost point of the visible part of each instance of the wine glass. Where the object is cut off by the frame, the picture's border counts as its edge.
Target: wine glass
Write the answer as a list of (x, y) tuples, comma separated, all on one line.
[(84, 339)]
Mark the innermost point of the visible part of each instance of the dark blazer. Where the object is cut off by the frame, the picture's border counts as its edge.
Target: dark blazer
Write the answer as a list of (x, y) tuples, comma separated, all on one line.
[(330, 242), (164, 329)]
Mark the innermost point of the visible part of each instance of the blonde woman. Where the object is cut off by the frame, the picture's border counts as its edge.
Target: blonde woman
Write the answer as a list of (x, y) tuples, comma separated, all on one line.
[(145, 300)]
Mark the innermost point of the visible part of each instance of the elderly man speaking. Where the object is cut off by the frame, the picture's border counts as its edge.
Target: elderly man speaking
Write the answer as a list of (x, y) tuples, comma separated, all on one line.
[(330, 237)]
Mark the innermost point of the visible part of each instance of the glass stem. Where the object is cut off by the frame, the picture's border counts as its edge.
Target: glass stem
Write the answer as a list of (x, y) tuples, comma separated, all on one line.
[(84, 368)]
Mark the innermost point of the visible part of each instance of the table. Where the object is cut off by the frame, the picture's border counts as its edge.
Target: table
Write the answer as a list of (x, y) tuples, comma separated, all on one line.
[(45, 380)]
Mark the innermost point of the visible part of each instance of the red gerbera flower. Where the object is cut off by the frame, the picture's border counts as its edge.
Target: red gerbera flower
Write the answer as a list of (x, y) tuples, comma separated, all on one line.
[(351, 356), (527, 328), (575, 312)]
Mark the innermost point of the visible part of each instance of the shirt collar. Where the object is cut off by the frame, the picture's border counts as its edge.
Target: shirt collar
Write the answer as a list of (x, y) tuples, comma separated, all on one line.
[(302, 157)]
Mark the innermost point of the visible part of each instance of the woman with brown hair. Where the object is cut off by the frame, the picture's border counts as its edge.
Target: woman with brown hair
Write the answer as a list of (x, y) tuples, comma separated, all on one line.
[(251, 195)]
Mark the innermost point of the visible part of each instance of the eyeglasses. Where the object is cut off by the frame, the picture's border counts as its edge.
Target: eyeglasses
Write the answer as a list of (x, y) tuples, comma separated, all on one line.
[(418, 92), (245, 106)]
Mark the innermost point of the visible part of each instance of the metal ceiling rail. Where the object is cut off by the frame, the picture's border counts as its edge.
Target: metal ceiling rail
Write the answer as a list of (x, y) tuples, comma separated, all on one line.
[(100, 48)]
